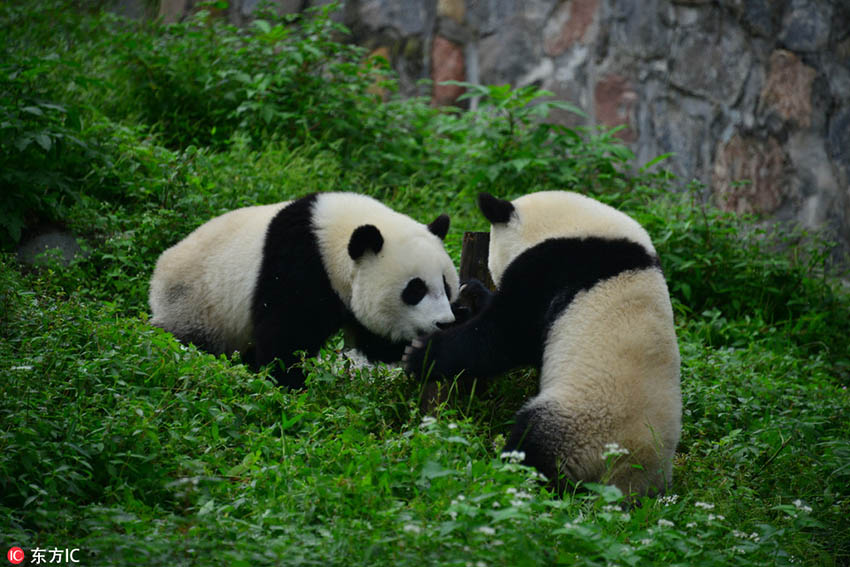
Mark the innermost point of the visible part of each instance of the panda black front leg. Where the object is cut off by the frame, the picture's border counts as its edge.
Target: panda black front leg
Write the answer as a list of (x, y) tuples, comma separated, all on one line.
[(492, 342)]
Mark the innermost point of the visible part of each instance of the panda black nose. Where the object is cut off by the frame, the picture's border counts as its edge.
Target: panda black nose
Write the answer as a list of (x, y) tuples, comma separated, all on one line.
[(444, 326)]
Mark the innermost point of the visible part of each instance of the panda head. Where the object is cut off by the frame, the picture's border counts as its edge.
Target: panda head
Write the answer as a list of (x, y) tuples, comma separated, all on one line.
[(403, 280), (529, 220)]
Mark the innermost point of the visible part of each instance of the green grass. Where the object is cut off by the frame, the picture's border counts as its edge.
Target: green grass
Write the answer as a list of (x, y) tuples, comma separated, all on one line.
[(118, 440)]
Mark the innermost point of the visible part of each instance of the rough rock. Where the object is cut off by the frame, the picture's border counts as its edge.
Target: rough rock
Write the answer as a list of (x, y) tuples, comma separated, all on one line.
[(679, 126), (568, 25), (788, 88), (636, 30), (749, 175), (447, 65), (507, 56), (761, 17), (452, 9), (489, 16), (407, 18), (806, 25), (614, 100), (59, 245), (173, 10), (838, 141), (713, 62)]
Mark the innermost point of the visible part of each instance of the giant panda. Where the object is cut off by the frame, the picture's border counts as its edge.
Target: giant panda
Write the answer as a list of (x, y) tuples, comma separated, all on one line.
[(270, 280), (580, 295)]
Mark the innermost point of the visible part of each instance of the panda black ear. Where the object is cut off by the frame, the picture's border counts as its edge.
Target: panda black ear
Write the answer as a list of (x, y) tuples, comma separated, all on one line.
[(440, 226), (366, 237), (495, 210)]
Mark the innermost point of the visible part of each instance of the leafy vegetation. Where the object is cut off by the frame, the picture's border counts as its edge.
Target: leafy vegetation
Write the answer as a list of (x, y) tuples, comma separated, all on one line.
[(118, 440)]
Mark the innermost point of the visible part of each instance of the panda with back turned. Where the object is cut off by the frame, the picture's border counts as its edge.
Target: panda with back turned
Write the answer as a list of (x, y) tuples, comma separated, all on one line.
[(581, 296), (275, 279)]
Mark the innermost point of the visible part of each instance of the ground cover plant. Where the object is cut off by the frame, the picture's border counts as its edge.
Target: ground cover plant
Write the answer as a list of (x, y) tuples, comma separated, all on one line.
[(118, 440)]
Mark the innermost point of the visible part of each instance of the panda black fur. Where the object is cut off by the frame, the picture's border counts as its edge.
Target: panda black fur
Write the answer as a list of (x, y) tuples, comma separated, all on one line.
[(581, 296), (274, 279)]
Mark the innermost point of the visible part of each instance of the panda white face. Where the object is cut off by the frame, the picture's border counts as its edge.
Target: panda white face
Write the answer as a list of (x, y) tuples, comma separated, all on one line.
[(406, 289)]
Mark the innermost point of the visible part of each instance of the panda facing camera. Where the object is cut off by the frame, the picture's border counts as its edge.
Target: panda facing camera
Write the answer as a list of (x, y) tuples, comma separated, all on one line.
[(271, 280), (581, 296)]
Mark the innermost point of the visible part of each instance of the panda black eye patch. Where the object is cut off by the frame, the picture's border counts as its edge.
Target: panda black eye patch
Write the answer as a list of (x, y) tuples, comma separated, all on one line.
[(414, 291)]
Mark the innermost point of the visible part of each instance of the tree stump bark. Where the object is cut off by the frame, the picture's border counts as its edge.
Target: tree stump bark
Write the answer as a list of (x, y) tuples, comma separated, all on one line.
[(473, 258)]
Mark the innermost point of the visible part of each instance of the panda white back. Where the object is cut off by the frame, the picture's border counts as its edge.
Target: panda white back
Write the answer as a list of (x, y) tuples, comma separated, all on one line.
[(205, 281)]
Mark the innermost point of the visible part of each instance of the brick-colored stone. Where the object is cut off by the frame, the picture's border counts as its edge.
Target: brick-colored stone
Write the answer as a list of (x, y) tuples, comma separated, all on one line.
[(568, 25), (614, 100), (447, 64), (749, 175), (788, 88), (173, 10), (452, 9)]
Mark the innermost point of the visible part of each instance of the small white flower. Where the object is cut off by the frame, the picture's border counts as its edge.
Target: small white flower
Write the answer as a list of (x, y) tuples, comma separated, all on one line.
[(691, 525), (461, 497), (613, 450), (669, 499), (452, 426), (510, 490), (800, 505), (704, 505), (487, 530), (428, 420), (480, 564), (662, 523), (411, 528), (718, 517), (513, 456), (645, 541), (739, 534), (496, 504)]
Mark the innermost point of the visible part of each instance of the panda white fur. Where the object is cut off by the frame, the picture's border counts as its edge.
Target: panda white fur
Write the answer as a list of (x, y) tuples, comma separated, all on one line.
[(580, 294), (274, 279)]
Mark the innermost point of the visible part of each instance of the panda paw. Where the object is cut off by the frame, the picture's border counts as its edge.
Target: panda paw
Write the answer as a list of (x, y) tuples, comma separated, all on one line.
[(413, 358), (473, 298), (409, 350)]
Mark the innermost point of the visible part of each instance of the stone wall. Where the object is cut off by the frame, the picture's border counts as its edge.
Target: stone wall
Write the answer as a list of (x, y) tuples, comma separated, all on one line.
[(755, 90)]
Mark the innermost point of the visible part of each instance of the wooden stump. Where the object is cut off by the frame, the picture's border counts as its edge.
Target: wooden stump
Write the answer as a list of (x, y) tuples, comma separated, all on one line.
[(473, 258)]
